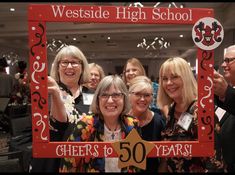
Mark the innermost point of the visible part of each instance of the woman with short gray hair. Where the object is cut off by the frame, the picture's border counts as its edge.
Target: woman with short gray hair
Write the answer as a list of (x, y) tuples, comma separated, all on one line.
[(108, 123)]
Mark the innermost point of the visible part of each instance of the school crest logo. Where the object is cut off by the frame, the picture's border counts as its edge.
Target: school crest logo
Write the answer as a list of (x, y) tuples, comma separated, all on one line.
[(207, 33)]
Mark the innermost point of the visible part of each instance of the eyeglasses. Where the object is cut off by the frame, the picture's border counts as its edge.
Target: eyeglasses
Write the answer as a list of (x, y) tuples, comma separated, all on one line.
[(95, 75), (73, 63), (139, 95), (228, 60), (115, 96)]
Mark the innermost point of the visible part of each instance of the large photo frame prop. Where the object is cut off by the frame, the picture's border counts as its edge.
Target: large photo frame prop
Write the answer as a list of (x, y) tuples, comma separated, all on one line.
[(39, 15)]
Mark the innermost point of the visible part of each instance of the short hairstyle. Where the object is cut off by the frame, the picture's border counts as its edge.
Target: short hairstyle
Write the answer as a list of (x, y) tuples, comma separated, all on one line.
[(136, 63), (74, 52), (230, 51), (177, 66), (100, 69), (142, 82), (104, 85)]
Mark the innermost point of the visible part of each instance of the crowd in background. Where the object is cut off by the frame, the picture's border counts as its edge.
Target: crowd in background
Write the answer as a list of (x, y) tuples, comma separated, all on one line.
[(86, 105)]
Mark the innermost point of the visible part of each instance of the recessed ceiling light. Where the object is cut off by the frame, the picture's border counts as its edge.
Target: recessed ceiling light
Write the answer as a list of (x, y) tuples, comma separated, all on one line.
[(74, 39), (181, 36), (12, 9), (108, 38)]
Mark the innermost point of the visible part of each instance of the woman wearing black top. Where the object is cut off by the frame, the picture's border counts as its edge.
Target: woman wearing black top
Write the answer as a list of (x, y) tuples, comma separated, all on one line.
[(69, 71), (140, 93)]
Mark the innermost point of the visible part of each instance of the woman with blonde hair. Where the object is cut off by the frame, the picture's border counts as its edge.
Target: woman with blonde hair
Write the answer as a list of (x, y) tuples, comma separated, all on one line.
[(151, 123), (134, 68), (176, 70), (178, 91)]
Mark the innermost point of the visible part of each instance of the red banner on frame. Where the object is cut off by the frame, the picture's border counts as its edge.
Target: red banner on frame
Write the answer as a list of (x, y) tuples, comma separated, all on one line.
[(39, 15)]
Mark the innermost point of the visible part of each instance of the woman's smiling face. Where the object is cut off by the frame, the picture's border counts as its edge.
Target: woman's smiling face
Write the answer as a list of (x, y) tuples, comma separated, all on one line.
[(70, 70), (172, 84), (111, 103)]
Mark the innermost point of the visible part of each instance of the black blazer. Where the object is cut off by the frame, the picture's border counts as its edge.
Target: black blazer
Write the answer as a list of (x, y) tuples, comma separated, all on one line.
[(227, 124), (229, 102)]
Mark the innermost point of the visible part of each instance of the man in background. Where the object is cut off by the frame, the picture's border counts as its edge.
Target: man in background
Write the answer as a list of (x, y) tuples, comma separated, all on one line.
[(224, 89)]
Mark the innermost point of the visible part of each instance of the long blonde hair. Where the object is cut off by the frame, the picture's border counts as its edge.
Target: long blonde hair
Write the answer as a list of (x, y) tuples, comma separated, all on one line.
[(178, 66)]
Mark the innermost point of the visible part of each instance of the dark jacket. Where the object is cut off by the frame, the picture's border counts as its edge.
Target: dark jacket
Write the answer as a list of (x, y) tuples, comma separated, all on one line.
[(227, 125)]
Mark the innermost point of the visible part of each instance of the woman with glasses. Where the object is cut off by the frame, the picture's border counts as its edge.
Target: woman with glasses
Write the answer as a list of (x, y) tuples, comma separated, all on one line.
[(96, 75), (224, 85), (109, 122), (178, 91), (134, 68), (224, 89), (151, 123), (69, 71)]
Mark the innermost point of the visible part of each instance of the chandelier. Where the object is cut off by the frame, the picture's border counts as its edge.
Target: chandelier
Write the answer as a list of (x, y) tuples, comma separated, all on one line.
[(158, 42), (170, 4), (11, 57), (55, 45)]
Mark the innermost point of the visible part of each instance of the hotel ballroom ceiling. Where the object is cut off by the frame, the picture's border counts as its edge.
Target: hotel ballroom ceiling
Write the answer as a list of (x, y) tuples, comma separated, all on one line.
[(93, 38)]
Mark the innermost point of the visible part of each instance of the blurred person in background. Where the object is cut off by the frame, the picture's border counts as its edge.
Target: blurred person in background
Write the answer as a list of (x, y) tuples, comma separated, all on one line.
[(96, 75), (7, 81), (224, 89)]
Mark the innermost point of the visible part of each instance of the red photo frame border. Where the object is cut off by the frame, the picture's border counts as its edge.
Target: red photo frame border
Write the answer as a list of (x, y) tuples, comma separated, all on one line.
[(40, 14)]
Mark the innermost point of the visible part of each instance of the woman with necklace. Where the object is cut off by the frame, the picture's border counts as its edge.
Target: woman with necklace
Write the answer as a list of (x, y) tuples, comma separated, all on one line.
[(68, 72), (151, 123), (109, 122), (178, 91)]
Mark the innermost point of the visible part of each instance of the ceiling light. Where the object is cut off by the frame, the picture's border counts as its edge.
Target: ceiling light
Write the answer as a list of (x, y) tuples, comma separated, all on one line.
[(136, 4), (11, 57), (169, 5), (55, 45), (181, 36), (158, 42), (12, 9)]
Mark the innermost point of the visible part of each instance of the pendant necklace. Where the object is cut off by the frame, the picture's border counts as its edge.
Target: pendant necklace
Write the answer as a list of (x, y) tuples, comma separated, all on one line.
[(113, 132)]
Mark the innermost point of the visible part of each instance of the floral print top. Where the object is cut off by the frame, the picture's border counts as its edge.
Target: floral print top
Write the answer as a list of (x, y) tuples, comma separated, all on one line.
[(190, 164), (61, 130), (91, 128)]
